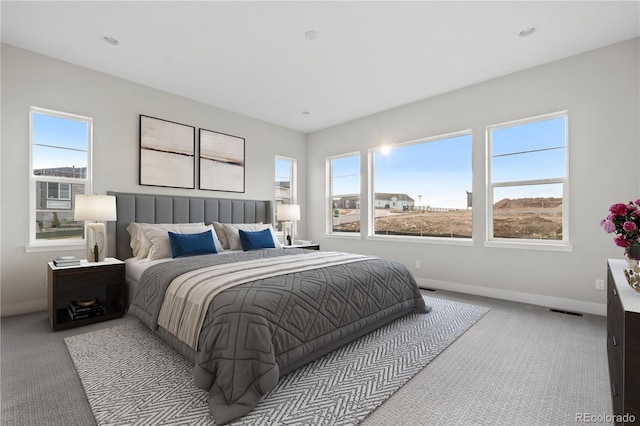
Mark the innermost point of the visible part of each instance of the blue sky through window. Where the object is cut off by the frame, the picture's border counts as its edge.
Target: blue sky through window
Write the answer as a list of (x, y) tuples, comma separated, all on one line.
[(59, 142), (529, 151), (283, 170), (435, 173), (346, 175)]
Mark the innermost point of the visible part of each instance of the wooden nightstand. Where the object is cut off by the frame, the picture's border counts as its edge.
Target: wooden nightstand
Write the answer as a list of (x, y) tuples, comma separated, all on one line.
[(304, 246), (102, 280)]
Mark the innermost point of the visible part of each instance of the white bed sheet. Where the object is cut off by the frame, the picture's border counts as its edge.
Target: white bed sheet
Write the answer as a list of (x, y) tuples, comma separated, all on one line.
[(135, 267)]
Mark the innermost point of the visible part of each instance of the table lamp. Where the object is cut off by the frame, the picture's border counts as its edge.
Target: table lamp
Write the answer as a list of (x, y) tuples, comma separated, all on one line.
[(97, 208), (288, 213)]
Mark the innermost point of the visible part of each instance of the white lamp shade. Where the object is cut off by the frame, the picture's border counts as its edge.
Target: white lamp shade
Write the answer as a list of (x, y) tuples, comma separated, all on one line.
[(288, 212), (98, 208)]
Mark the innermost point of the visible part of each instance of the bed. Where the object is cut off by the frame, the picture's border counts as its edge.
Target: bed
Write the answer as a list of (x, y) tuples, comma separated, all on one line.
[(244, 318)]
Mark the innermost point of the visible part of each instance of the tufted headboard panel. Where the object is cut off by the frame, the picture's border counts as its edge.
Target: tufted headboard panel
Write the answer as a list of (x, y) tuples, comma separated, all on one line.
[(150, 208)]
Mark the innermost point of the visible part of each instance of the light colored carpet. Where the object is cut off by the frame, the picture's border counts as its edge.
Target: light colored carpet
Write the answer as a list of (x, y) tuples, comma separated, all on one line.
[(520, 365), (132, 378)]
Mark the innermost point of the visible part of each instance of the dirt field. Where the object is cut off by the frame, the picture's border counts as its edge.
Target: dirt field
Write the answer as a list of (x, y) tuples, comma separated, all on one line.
[(437, 224), (526, 218)]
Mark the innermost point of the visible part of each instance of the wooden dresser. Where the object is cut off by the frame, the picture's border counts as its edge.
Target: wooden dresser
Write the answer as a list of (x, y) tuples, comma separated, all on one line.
[(623, 342)]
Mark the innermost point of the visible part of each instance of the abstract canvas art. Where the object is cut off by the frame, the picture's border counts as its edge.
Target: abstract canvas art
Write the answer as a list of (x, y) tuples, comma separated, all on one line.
[(221, 162), (167, 153)]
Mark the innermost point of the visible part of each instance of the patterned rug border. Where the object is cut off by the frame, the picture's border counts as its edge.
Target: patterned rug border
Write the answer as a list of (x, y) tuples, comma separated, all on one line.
[(131, 377)]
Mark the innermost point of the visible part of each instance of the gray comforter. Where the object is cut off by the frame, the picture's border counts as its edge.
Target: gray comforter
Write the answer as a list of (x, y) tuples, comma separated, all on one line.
[(255, 332)]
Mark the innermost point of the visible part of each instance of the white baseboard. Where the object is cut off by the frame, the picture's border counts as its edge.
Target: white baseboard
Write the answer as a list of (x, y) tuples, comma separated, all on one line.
[(23, 307), (516, 296)]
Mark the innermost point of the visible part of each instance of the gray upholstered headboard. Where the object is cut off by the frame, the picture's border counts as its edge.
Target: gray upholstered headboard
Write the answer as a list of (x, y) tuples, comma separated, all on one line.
[(150, 208)]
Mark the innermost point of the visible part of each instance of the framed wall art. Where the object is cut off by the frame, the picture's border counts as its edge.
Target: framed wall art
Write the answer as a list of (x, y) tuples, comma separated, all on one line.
[(221, 162), (167, 153)]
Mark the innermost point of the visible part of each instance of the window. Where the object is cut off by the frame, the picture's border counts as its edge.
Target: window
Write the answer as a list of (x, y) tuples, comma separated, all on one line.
[(58, 195), (423, 188), (285, 185), (344, 193), (527, 183), (60, 169)]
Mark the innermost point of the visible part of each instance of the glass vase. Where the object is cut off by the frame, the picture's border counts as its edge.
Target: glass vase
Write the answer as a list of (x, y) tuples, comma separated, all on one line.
[(632, 254)]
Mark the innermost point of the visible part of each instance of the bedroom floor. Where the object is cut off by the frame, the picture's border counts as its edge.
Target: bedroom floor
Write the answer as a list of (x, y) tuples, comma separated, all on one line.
[(520, 364)]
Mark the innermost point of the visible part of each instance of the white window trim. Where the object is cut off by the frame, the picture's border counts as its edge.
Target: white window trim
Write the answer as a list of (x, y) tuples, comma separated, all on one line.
[(422, 240), (71, 243), (523, 243), (371, 235), (329, 199)]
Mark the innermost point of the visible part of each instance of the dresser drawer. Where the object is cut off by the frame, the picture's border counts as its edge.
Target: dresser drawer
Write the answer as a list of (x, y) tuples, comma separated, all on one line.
[(615, 352)]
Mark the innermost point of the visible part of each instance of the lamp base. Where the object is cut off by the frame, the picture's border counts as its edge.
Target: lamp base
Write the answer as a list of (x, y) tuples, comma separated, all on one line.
[(288, 231), (95, 242)]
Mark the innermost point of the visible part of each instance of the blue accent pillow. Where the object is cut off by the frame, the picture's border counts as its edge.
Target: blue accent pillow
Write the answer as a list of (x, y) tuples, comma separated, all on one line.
[(191, 244), (256, 240)]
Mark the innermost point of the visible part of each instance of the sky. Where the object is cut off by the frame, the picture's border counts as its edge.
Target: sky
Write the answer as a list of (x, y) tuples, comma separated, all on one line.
[(282, 170), (65, 140), (438, 173)]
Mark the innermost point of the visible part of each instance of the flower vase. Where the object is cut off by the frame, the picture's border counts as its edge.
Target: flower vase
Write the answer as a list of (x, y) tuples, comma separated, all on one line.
[(632, 254)]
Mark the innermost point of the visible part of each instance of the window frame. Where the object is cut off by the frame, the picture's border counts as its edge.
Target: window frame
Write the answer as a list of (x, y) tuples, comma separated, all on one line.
[(329, 232), (371, 235), (35, 245), (526, 243), (293, 192)]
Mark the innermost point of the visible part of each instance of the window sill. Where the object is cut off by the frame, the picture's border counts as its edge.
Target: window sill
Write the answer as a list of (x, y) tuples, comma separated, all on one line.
[(345, 235), (57, 246), (524, 245), (423, 240)]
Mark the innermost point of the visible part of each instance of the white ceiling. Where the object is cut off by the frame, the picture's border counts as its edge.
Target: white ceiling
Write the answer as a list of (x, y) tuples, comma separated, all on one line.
[(253, 57)]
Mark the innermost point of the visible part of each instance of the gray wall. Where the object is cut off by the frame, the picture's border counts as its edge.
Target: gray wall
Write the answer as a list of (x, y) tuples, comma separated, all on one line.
[(600, 90), (115, 104)]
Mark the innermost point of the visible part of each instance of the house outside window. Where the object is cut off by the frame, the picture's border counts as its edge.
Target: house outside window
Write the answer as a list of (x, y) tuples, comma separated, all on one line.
[(420, 188), (528, 180), (58, 195), (60, 169), (285, 186), (344, 194)]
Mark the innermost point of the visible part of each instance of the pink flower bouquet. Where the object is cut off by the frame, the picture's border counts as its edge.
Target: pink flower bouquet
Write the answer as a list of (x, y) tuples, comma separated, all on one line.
[(624, 221)]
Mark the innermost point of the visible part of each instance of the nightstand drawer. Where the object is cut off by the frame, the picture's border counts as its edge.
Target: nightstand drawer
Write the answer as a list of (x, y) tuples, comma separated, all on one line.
[(74, 279)]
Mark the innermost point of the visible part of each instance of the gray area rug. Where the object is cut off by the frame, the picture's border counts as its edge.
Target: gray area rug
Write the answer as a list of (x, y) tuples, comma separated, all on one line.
[(132, 378)]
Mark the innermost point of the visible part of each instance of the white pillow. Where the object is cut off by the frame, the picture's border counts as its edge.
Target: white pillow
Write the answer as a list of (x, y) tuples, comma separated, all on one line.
[(222, 235), (157, 235), (140, 244), (232, 230), (136, 242)]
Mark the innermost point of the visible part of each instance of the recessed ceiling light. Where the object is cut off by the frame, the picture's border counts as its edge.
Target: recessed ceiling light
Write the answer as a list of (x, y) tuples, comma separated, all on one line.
[(311, 35), (528, 31), (111, 40)]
